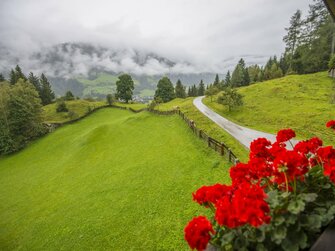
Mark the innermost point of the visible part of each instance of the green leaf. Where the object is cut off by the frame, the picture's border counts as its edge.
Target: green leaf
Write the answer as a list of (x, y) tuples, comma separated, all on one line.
[(288, 245), (279, 233), (309, 197), (296, 206)]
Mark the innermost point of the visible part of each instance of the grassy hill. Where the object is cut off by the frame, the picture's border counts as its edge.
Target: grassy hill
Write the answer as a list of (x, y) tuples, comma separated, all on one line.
[(78, 108), (109, 182), (300, 102), (186, 106)]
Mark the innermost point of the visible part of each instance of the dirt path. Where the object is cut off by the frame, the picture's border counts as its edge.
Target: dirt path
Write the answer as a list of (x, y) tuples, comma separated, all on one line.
[(243, 134)]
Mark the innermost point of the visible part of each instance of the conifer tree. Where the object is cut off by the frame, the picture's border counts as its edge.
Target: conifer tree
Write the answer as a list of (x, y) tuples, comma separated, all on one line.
[(228, 79), (19, 73), (47, 95), (12, 77), (216, 82), (180, 90), (201, 89), (2, 78), (34, 80)]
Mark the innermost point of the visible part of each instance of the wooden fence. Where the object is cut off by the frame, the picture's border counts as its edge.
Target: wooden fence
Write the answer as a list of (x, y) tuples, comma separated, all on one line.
[(217, 146)]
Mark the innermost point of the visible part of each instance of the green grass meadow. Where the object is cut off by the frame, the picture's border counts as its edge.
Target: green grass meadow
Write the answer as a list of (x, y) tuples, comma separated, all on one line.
[(300, 102), (113, 181), (207, 125)]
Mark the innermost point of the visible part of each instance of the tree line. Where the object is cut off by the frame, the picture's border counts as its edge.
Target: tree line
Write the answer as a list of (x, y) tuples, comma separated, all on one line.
[(21, 100), (308, 50)]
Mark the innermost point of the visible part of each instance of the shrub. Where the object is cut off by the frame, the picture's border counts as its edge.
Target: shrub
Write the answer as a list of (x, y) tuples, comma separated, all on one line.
[(61, 107), (110, 99), (279, 200)]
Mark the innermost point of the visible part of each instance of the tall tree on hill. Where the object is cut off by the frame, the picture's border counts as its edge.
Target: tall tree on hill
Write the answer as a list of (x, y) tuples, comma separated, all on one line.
[(240, 75), (35, 81), (12, 77), (189, 92), (180, 90), (201, 89), (228, 79), (2, 78), (216, 82), (19, 73), (292, 39), (124, 87), (253, 71), (165, 90), (47, 95)]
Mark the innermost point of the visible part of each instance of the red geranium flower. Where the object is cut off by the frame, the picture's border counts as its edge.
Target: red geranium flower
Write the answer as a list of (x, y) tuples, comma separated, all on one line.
[(285, 135), (246, 206), (308, 146), (197, 233), (259, 148), (210, 194), (331, 124), (292, 163)]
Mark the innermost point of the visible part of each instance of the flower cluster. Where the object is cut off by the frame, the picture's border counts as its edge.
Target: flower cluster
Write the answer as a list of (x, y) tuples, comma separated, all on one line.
[(271, 166), (197, 232)]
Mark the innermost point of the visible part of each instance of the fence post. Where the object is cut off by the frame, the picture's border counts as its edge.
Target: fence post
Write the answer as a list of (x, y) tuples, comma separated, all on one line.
[(222, 149), (229, 154), (200, 134), (209, 141), (237, 161)]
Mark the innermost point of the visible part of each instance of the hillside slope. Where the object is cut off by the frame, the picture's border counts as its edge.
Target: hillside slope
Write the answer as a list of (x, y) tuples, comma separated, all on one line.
[(109, 182), (300, 102)]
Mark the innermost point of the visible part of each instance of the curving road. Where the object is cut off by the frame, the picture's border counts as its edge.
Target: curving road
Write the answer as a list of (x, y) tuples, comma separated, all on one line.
[(243, 134)]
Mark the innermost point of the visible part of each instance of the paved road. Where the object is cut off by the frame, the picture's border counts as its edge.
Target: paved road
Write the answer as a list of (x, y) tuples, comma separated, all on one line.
[(243, 134)]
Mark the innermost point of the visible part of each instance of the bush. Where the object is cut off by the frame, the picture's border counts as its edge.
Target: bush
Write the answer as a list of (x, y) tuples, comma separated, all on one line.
[(72, 115), (110, 99), (279, 200), (61, 107), (69, 96)]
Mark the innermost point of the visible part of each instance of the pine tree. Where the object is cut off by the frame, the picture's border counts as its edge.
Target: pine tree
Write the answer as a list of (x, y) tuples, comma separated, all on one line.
[(12, 77), (47, 95), (201, 89), (180, 90), (292, 39), (216, 82), (228, 79), (19, 73), (34, 80), (69, 96), (189, 92)]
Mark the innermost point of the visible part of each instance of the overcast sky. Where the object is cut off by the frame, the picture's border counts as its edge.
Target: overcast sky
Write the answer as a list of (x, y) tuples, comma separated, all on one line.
[(203, 32)]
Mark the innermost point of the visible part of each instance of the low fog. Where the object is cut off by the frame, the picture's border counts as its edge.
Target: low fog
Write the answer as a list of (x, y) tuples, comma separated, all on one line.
[(142, 37)]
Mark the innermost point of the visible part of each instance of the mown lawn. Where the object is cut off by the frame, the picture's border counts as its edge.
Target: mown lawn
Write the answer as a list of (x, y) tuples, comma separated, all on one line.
[(113, 181), (300, 102)]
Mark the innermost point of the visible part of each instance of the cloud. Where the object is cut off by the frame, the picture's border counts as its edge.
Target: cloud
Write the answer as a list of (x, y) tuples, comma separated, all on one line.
[(198, 35)]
